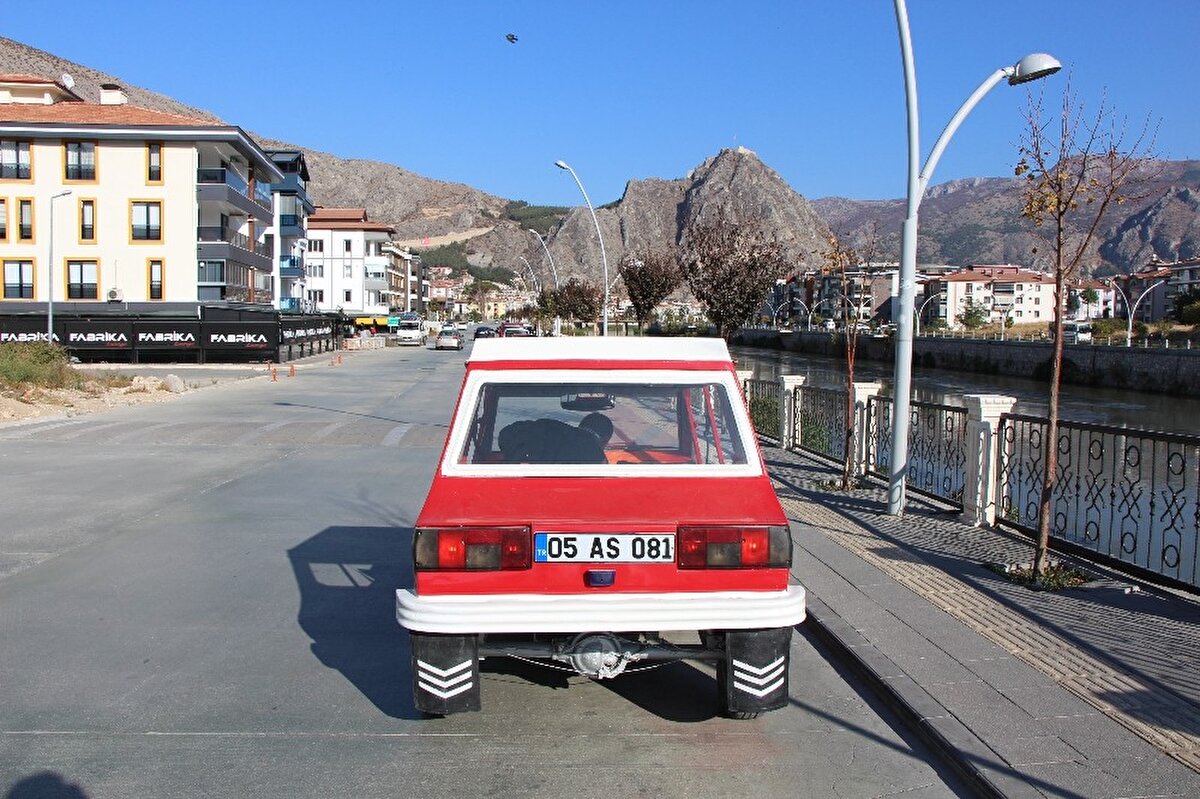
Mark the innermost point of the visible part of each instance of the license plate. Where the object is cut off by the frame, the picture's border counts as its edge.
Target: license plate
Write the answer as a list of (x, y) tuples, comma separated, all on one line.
[(603, 548)]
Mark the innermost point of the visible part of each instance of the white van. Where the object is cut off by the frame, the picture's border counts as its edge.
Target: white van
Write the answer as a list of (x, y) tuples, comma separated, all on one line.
[(1077, 333), (409, 331)]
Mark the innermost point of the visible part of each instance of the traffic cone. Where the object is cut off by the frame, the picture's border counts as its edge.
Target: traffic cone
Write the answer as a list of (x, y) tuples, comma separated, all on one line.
[(274, 379), (291, 370), (339, 359)]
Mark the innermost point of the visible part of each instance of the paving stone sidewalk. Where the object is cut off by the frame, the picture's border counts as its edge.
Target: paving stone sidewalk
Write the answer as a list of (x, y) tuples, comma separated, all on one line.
[(1090, 692)]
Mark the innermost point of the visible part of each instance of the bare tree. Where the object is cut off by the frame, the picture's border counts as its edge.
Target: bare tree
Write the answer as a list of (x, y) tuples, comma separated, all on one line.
[(1075, 169), (840, 259), (730, 267), (650, 277)]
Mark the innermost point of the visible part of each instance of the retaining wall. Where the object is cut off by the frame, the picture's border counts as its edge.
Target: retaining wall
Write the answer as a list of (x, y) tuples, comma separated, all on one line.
[(1164, 371)]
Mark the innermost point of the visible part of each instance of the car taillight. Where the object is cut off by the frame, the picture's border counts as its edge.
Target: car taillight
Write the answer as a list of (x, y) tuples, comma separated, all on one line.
[(472, 548), (734, 547)]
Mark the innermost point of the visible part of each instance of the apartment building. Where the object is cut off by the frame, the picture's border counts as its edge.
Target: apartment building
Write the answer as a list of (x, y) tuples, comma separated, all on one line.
[(112, 203), (290, 231), (1003, 290), (346, 265)]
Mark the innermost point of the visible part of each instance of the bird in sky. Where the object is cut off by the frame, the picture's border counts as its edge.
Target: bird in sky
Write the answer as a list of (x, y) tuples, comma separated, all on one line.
[(512, 38)]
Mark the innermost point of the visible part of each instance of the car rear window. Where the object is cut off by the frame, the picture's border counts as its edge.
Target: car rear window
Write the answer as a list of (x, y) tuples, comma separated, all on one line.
[(630, 423)]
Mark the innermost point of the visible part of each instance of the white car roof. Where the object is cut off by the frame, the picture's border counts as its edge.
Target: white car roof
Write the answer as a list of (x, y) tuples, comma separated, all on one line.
[(598, 348)]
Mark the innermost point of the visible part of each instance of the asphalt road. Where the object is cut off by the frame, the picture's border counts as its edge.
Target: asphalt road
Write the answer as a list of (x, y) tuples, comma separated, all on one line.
[(196, 599)]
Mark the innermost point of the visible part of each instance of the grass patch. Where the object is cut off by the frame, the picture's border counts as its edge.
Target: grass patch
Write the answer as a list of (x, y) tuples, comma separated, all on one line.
[(38, 367), (1058, 575)]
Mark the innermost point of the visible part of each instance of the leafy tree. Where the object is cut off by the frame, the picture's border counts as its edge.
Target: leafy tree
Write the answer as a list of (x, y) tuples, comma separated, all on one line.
[(730, 267), (650, 277), (974, 315), (1183, 301), (1074, 171), (578, 299), (1090, 297)]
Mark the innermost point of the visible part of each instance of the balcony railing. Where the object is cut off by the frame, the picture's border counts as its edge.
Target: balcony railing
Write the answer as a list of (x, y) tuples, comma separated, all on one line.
[(289, 220), (215, 233), (219, 175)]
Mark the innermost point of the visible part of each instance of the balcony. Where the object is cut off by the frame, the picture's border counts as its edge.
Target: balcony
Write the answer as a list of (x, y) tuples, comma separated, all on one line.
[(227, 187), (291, 266), (214, 243)]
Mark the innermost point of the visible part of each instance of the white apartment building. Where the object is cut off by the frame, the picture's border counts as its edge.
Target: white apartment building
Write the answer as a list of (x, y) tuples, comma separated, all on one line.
[(108, 202), (1003, 290), (346, 264)]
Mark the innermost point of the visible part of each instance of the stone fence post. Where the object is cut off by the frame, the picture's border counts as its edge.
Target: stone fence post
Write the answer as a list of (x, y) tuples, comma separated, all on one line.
[(788, 438), (743, 376), (862, 424), (983, 429)]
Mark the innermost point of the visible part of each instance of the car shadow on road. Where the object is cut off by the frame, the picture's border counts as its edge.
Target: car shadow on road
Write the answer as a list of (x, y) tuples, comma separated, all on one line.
[(348, 578)]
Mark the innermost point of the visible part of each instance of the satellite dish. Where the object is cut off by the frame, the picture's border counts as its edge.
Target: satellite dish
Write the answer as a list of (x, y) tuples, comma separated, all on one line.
[(68, 81)]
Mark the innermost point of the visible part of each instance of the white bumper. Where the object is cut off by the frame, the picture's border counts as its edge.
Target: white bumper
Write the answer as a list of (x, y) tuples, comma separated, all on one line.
[(569, 613)]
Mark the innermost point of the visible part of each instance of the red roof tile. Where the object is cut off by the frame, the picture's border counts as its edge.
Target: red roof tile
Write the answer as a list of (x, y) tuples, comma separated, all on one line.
[(95, 114)]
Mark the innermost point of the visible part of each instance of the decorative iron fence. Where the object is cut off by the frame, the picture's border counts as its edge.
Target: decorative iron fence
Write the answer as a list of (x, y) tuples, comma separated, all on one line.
[(1127, 495), (819, 421), (937, 447), (762, 399)]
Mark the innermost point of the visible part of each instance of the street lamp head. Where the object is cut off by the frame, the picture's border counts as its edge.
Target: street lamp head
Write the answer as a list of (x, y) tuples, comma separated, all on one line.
[(1032, 67), (62, 193), (562, 165)]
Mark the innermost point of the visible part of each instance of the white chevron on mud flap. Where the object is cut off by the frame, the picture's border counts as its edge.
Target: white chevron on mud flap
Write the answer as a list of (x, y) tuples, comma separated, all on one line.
[(753, 680), (444, 683)]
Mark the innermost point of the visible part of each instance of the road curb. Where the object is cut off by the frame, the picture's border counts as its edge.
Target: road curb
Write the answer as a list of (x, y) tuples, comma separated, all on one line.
[(954, 743)]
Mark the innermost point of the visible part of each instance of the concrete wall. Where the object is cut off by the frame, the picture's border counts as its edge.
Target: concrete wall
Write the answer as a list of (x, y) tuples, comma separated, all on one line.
[(1165, 371)]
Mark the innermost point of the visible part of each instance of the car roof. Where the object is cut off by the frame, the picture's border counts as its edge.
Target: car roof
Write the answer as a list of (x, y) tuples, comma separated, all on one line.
[(599, 348)]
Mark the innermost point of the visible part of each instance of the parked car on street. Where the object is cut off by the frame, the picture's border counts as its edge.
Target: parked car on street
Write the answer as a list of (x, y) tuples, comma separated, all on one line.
[(485, 332), (409, 331), (448, 339), (592, 495)]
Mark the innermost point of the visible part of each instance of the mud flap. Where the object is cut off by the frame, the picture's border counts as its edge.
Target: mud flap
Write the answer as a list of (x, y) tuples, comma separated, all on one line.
[(755, 670), (445, 671)]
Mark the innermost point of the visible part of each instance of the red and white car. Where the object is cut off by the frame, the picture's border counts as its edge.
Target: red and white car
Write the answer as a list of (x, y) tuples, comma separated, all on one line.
[(593, 495)]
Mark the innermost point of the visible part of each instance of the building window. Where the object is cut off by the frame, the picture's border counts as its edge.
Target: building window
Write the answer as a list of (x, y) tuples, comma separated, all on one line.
[(25, 220), (18, 280), (154, 276), (87, 221), (347, 270), (346, 295), (314, 270), (81, 280), (3, 219), (146, 221), (154, 163), (211, 272), (316, 245), (970, 288), (317, 296), (346, 246), (80, 160), (14, 160)]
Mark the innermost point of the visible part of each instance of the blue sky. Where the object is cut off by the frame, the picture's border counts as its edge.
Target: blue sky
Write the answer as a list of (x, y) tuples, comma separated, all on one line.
[(627, 89)]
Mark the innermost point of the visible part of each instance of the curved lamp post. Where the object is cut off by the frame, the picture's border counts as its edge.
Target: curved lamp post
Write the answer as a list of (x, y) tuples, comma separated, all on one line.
[(50, 271), (921, 310), (603, 255), (541, 241), (1031, 67), (537, 284), (807, 312), (1132, 308)]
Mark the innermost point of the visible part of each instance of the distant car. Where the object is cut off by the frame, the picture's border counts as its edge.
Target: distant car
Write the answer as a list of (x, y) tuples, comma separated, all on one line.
[(448, 339), (516, 332), (485, 332)]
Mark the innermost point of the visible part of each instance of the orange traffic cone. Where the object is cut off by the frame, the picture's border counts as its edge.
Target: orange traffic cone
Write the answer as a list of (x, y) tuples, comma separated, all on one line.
[(274, 379), (291, 370)]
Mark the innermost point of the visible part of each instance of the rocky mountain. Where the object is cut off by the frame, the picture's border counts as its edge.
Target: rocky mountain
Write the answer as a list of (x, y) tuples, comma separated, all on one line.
[(975, 220)]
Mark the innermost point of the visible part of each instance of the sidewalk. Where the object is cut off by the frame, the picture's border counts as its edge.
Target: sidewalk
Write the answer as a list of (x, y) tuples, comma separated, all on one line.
[(1090, 692)]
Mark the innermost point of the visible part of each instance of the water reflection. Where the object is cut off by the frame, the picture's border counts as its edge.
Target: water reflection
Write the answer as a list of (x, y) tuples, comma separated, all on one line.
[(1079, 403)]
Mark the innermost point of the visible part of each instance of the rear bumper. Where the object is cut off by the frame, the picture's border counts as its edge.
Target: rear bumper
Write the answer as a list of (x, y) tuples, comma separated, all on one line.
[(559, 613)]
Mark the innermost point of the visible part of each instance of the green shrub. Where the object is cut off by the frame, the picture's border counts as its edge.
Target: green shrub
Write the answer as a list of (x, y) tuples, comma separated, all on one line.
[(37, 364)]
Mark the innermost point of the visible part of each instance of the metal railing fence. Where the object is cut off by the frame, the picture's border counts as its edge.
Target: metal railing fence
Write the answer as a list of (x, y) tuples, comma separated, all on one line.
[(937, 447)]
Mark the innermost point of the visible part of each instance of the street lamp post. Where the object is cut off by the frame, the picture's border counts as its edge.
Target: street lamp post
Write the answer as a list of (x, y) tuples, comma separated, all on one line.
[(1031, 67), (537, 285), (807, 312), (50, 271), (1132, 308), (553, 268), (921, 310), (603, 256)]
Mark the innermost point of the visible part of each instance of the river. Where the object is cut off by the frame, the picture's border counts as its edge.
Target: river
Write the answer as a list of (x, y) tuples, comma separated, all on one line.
[(1134, 409)]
